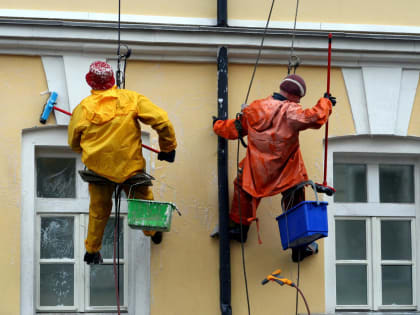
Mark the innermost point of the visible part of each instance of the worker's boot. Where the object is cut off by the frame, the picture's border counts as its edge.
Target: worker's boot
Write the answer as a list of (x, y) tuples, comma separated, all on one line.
[(93, 258), (157, 237), (234, 232), (299, 253)]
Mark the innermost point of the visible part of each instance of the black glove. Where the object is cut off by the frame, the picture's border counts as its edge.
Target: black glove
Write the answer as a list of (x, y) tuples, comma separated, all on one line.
[(331, 98), (167, 156), (215, 119)]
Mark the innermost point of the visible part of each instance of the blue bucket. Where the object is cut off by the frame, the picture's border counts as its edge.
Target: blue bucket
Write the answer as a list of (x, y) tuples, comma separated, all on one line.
[(303, 224)]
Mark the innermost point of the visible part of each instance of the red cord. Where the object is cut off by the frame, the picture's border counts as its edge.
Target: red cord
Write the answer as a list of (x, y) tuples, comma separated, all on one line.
[(326, 124)]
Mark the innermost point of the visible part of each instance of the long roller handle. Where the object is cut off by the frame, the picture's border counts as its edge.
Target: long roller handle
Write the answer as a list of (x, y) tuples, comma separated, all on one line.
[(324, 183)]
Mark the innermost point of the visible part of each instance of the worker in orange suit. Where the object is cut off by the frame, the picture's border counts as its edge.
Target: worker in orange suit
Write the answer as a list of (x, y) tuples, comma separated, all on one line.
[(273, 163), (105, 128)]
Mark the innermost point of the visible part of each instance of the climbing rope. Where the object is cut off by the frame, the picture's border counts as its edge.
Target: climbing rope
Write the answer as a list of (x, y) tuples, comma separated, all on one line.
[(259, 52), (238, 171), (116, 258), (118, 188), (121, 57), (294, 61), (241, 232)]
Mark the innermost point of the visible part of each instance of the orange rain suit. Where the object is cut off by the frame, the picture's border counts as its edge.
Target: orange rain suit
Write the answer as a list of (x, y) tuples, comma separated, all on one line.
[(105, 128), (273, 161)]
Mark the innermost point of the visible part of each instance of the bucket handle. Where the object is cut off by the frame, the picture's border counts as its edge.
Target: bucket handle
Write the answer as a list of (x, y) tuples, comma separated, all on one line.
[(131, 187), (306, 183), (176, 209)]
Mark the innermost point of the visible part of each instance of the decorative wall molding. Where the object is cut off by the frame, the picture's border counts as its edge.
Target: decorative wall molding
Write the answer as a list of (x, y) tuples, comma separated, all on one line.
[(180, 20), (55, 74), (200, 43), (381, 98)]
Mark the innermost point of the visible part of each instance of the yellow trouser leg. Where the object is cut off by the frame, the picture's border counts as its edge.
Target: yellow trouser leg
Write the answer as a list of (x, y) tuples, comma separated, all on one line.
[(99, 211), (142, 192)]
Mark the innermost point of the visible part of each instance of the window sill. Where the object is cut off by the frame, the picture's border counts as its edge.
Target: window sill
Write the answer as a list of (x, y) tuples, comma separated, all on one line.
[(86, 313)]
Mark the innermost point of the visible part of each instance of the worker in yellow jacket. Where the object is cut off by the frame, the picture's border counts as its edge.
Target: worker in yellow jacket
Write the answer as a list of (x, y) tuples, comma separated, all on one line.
[(105, 128)]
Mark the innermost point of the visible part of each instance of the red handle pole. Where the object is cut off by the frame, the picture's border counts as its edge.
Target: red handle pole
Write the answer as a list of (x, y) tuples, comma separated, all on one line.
[(150, 148), (62, 110), (324, 183), (143, 145)]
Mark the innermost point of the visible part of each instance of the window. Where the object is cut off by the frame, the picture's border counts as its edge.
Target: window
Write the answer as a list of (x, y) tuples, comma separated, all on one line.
[(55, 209), (373, 219), (374, 254), (367, 273), (64, 281)]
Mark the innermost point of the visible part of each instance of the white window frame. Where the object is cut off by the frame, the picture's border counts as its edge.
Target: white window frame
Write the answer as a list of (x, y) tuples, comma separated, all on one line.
[(372, 150), (108, 261), (75, 261), (137, 277), (367, 262)]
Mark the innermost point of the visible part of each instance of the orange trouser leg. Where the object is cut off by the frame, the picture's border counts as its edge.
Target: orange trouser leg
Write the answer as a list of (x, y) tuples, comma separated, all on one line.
[(99, 211), (141, 192), (243, 200)]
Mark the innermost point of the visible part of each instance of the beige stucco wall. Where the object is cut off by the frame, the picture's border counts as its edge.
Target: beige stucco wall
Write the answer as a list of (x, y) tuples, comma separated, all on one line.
[(185, 8), (387, 12), (21, 80), (185, 266), (330, 11)]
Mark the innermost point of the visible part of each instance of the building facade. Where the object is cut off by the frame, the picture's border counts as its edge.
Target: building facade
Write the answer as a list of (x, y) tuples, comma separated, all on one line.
[(369, 260)]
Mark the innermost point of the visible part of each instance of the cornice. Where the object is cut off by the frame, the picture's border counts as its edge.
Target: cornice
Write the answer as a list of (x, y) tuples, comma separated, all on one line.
[(186, 43)]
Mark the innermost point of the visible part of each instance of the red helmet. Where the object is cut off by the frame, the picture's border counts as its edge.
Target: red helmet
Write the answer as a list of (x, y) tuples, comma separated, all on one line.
[(100, 76)]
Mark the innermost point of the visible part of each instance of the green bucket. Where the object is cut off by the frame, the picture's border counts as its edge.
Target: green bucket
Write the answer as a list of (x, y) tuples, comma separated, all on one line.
[(150, 215)]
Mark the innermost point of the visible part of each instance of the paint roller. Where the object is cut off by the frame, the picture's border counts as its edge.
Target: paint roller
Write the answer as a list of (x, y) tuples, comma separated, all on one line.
[(50, 105)]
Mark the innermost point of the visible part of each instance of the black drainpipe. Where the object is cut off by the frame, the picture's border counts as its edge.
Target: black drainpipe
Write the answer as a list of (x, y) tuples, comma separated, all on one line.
[(222, 169), (222, 13), (222, 172)]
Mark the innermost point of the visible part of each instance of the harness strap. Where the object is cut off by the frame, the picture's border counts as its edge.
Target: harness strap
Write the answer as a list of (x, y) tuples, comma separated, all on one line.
[(239, 128)]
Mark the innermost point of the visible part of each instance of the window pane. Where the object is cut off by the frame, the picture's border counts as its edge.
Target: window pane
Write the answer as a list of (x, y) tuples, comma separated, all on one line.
[(56, 177), (396, 183), (350, 183), (396, 240), (350, 241), (107, 250), (351, 285), (397, 285), (57, 284), (57, 237), (102, 285)]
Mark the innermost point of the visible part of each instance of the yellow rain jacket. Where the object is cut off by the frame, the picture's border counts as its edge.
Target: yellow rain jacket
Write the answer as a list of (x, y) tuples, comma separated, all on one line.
[(105, 128)]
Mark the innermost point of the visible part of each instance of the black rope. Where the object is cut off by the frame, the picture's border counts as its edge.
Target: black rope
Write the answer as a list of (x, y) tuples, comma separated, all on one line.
[(117, 198), (297, 283), (293, 42), (119, 46), (241, 229), (259, 52), (240, 140)]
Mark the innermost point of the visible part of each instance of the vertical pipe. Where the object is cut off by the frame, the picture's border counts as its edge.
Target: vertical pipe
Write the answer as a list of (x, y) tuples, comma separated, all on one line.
[(222, 172), (222, 13)]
